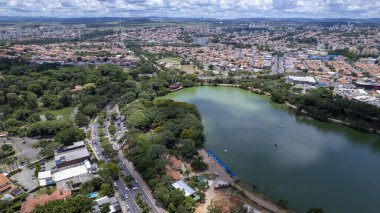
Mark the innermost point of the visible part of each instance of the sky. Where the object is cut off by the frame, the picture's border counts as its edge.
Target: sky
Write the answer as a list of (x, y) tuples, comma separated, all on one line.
[(222, 9)]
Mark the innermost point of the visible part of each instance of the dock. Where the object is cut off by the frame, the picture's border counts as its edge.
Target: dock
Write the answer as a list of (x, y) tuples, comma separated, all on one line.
[(222, 164)]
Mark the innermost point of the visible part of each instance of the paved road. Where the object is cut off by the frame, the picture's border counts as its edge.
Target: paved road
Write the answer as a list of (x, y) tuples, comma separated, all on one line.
[(120, 130), (121, 187), (130, 202)]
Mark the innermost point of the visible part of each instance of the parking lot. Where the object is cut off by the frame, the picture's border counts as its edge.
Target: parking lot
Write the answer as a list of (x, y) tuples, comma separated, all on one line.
[(26, 179)]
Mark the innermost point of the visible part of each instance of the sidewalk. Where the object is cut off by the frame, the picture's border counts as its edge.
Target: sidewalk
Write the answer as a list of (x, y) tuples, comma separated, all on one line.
[(139, 179)]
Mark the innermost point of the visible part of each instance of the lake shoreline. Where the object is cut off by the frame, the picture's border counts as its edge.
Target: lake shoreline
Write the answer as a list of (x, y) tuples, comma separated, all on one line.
[(265, 204), (259, 92)]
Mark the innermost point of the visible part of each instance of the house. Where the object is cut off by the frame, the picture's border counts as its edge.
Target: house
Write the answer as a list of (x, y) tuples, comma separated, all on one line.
[(7, 189), (173, 174), (76, 145), (308, 80), (181, 185), (114, 205), (29, 205), (5, 184), (71, 157), (175, 163)]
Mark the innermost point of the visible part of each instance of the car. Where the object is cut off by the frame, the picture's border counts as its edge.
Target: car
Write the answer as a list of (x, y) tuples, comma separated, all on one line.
[(122, 197), (115, 185), (126, 196), (126, 188), (135, 188)]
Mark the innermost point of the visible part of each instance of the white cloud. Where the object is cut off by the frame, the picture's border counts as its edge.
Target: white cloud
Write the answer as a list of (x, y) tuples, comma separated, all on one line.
[(193, 8)]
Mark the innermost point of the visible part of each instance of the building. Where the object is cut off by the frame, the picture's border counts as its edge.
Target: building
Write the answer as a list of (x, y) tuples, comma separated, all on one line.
[(29, 205), (114, 205), (76, 145), (7, 189), (181, 185), (367, 86), (200, 41), (175, 163), (67, 178), (71, 157), (5, 184), (173, 174), (308, 80)]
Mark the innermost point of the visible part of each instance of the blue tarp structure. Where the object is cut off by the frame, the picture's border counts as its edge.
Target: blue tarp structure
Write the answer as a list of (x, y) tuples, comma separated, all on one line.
[(220, 162)]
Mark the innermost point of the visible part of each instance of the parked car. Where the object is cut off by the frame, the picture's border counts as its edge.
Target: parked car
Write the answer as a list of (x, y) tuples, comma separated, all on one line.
[(135, 188), (126, 196)]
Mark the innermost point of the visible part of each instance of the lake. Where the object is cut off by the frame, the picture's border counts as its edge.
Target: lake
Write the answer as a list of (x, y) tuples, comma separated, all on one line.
[(306, 162)]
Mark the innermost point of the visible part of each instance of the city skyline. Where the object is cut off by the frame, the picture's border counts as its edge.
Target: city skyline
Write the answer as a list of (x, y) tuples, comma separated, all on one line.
[(221, 9)]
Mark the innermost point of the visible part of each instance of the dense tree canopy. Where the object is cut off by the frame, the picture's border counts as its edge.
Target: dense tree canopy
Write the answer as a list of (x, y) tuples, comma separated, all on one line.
[(168, 128), (73, 204)]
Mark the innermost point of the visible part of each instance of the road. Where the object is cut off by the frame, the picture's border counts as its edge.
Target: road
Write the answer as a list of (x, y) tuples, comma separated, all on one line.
[(120, 131), (130, 202), (121, 187)]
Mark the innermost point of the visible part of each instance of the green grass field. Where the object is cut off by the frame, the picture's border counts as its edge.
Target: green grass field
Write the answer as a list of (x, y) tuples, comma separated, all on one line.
[(64, 113), (176, 63)]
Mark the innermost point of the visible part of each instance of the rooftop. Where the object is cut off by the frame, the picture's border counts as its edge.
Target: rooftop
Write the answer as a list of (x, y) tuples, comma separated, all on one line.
[(72, 155), (183, 186), (69, 173)]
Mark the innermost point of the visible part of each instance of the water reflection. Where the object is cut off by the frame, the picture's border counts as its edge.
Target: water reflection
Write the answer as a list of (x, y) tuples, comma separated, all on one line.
[(314, 164)]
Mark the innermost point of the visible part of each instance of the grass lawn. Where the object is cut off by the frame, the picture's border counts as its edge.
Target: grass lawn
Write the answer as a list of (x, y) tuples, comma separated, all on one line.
[(172, 60), (176, 63), (64, 113), (190, 69)]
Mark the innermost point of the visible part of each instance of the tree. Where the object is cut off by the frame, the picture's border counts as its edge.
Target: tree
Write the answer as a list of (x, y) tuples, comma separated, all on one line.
[(69, 135), (106, 190), (138, 120), (255, 187), (282, 203), (163, 195), (128, 97), (37, 169), (14, 100), (315, 210), (50, 116), (105, 208), (156, 151), (81, 120), (6, 151), (35, 88), (89, 109), (198, 165), (73, 204), (109, 169), (31, 100)]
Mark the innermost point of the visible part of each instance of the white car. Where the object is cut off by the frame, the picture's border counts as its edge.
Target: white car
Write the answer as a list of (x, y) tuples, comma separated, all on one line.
[(126, 196)]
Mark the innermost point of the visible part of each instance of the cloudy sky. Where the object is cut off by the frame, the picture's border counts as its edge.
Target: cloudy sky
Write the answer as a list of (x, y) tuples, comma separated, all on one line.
[(193, 8)]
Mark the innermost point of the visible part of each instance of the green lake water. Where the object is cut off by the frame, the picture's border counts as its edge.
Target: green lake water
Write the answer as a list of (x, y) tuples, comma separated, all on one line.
[(315, 164)]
